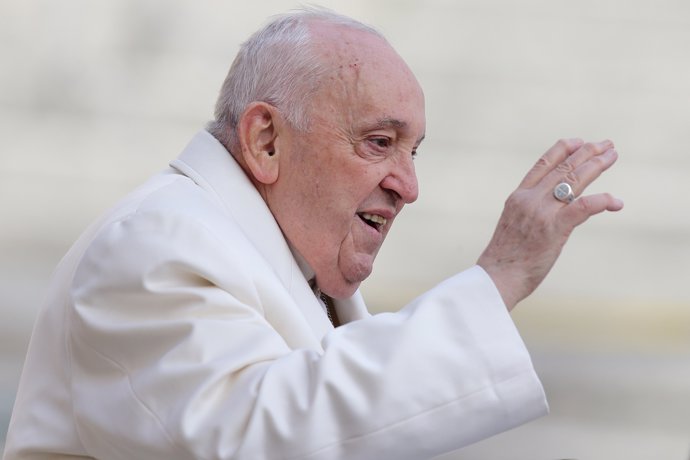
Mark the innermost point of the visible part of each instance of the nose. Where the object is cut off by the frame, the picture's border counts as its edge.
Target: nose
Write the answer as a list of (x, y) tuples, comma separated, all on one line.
[(402, 180)]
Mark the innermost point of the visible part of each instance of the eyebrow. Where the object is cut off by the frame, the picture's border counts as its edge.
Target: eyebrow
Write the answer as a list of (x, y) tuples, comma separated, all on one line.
[(394, 123), (388, 122)]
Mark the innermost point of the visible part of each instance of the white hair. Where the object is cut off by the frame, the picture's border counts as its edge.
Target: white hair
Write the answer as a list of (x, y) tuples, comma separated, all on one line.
[(276, 65)]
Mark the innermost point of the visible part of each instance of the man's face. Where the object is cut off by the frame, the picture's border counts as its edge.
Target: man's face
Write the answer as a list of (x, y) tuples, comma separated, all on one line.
[(342, 183)]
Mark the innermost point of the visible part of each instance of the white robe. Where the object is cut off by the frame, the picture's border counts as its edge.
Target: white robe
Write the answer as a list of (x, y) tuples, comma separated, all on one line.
[(179, 326)]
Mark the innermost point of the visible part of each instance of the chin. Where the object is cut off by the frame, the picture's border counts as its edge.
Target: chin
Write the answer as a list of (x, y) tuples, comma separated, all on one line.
[(345, 286), (347, 277), (350, 283)]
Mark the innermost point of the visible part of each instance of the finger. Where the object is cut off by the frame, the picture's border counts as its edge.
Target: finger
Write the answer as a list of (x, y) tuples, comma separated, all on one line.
[(588, 172), (566, 170), (553, 157), (584, 207), (585, 174)]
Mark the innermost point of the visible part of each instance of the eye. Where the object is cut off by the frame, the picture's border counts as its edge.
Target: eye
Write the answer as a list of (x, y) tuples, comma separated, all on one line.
[(380, 142), (414, 154)]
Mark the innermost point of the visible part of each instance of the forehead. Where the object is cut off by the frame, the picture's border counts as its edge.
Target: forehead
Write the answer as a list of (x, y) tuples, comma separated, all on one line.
[(366, 78)]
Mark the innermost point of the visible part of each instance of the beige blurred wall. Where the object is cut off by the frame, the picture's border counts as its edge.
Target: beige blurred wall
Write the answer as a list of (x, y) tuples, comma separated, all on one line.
[(97, 95)]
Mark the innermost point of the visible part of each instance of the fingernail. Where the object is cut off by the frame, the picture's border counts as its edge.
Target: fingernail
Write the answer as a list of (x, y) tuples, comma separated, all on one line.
[(606, 144), (611, 156), (576, 141)]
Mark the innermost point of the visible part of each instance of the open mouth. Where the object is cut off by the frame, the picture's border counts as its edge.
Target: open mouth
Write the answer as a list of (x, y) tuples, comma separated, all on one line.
[(373, 220)]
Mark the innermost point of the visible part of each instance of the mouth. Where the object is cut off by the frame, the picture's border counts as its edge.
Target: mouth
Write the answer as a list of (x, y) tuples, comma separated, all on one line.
[(375, 221)]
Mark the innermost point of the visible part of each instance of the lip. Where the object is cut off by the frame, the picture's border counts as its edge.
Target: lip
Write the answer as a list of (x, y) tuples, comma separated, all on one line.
[(385, 213)]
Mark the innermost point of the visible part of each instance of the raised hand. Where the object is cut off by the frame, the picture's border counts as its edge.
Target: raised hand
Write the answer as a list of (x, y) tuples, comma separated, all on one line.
[(535, 224)]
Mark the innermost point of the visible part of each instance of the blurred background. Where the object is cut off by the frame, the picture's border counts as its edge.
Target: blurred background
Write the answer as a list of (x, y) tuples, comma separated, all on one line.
[(96, 96)]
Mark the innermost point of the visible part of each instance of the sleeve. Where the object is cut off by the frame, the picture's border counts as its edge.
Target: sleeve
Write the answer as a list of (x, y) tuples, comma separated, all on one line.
[(172, 358)]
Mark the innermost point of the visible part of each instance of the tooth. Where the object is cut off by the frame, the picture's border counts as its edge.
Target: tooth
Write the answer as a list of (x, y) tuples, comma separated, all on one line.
[(374, 218)]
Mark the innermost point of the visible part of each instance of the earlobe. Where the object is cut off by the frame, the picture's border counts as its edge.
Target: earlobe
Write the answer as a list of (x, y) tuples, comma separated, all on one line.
[(257, 132)]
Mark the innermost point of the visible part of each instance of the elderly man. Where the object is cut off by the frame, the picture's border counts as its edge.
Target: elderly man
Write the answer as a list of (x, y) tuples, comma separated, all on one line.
[(215, 313)]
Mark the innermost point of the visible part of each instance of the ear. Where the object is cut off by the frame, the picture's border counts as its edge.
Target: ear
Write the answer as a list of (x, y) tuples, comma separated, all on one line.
[(257, 131)]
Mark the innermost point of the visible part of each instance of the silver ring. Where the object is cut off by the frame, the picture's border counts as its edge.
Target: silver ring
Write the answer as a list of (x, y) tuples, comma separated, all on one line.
[(564, 192)]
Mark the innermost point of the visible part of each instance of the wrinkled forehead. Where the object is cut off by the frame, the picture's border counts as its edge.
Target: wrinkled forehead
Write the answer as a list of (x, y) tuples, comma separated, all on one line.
[(362, 68), (350, 51)]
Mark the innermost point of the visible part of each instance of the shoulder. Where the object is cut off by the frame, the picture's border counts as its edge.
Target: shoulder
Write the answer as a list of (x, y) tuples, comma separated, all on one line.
[(168, 222)]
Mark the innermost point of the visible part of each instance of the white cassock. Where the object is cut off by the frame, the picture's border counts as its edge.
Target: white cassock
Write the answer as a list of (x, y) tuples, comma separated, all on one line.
[(180, 326)]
